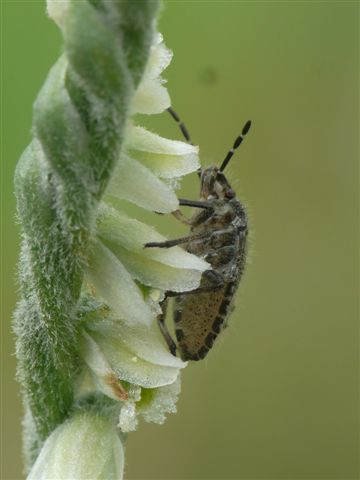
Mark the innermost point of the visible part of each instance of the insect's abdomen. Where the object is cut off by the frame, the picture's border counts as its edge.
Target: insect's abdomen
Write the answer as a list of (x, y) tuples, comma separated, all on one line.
[(199, 318)]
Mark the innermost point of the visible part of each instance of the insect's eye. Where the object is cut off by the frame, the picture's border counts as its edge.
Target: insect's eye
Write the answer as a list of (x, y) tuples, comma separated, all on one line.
[(229, 193)]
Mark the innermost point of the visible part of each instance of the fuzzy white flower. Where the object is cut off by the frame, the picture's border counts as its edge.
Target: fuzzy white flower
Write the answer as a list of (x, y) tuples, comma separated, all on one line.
[(152, 96), (152, 404), (85, 446), (57, 10), (125, 355)]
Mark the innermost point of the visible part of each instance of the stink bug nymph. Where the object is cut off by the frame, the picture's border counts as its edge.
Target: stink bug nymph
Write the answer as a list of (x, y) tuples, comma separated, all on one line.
[(219, 235)]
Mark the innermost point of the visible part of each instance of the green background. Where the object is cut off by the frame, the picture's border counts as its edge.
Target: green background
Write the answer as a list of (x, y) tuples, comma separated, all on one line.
[(277, 397)]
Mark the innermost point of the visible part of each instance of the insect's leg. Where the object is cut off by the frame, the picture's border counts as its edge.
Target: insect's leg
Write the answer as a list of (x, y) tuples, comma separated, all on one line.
[(163, 329), (181, 217), (190, 203), (182, 127), (195, 203), (216, 280), (177, 241)]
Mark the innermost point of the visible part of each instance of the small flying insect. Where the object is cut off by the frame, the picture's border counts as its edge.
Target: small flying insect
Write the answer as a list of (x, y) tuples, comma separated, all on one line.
[(218, 233)]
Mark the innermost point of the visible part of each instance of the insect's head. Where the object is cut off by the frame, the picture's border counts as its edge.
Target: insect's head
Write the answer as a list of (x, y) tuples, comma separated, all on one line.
[(213, 184), (213, 181)]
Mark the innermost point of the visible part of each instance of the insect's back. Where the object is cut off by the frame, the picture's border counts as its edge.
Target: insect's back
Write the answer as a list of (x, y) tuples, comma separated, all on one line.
[(200, 317)]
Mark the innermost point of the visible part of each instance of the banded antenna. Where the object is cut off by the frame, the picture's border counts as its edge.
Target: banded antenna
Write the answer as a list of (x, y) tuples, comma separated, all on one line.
[(236, 145), (181, 125)]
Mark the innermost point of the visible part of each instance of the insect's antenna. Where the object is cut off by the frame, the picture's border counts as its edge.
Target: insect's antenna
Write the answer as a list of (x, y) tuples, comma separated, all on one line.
[(182, 127), (236, 145)]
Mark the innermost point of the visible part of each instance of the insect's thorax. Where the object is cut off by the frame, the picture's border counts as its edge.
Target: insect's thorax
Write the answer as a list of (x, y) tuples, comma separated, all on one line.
[(221, 226)]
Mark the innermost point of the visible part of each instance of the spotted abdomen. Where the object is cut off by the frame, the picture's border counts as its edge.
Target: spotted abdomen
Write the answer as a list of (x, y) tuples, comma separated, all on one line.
[(199, 318)]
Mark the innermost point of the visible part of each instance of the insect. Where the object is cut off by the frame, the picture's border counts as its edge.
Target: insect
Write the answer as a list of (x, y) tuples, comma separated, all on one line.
[(218, 233)]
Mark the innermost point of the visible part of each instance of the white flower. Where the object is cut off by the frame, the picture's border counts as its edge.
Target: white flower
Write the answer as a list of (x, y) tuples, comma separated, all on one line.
[(86, 446), (57, 10), (152, 96), (152, 404), (125, 355)]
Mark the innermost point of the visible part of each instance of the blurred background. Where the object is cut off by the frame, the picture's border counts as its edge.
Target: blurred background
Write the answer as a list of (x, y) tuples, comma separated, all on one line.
[(277, 397)]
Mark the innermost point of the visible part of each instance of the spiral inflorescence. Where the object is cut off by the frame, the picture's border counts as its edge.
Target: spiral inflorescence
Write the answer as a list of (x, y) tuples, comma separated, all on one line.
[(78, 128)]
